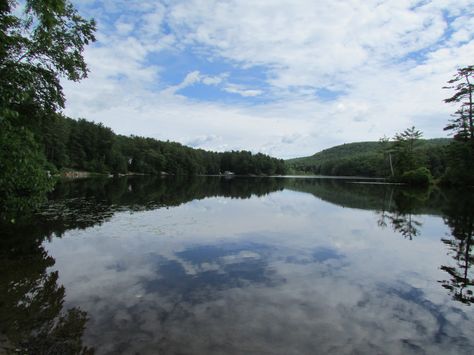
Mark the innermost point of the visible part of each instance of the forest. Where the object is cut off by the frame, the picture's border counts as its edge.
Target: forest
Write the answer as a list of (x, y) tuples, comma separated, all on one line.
[(370, 159), (84, 145)]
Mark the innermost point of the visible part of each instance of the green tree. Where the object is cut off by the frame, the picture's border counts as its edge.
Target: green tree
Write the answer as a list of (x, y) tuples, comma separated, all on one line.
[(39, 48), (24, 180), (386, 149), (462, 122), (41, 43), (460, 170), (404, 148)]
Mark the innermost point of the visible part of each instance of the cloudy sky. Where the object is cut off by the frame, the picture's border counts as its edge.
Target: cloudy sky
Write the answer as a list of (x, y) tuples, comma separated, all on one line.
[(287, 78)]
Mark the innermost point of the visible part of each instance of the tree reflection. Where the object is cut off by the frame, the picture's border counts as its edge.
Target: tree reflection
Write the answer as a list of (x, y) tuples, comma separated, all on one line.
[(33, 320), (398, 210), (406, 225), (397, 207), (459, 216)]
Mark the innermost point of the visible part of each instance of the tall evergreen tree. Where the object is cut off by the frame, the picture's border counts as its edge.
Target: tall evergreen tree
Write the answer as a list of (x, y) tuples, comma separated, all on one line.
[(461, 152), (462, 123), (404, 148)]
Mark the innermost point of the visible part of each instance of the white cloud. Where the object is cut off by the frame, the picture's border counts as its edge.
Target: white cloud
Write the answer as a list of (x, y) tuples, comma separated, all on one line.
[(124, 28), (203, 141), (241, 90), (190, 79), (195, 77), (388, 59), (307, 42), (213, 80)]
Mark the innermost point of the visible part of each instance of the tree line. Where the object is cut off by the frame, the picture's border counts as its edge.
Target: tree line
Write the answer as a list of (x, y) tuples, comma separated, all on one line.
[(84, 145), (369, 159)]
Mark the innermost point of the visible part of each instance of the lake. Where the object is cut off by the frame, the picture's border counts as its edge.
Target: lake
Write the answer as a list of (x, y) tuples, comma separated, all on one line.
[(212, 265)]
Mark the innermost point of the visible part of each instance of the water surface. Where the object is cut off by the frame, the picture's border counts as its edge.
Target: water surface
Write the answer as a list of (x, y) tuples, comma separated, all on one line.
[(239, 266)]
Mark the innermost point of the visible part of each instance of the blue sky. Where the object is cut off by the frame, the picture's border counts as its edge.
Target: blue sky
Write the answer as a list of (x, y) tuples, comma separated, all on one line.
[(287, 78)]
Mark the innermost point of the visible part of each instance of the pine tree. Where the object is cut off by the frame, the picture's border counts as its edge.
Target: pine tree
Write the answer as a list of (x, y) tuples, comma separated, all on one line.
[(462, 122), (461, 151)]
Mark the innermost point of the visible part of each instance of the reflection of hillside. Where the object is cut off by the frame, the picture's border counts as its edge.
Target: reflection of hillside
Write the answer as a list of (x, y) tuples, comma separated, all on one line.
[(378, 197), (85, 203), (149, 192), (396, 206)]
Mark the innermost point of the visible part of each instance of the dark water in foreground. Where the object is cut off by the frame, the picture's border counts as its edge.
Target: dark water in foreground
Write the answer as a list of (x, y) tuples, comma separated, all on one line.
[(240, 266)]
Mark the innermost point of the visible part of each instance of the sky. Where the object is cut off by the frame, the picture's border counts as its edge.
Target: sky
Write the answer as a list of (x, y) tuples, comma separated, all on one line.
[(285, 78)]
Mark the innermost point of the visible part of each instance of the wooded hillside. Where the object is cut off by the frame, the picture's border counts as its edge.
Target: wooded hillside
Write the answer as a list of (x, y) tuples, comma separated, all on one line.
[(85, 145), (367, 159)]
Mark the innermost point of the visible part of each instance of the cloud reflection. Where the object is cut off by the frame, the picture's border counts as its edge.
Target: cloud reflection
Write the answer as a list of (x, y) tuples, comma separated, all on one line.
[(247, 278)]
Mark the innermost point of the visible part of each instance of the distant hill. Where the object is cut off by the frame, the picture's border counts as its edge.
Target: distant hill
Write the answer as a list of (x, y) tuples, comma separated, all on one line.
[(366, 159)]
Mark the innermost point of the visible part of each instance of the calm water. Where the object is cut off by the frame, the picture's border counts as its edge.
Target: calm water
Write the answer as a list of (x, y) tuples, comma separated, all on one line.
[(239, 266)]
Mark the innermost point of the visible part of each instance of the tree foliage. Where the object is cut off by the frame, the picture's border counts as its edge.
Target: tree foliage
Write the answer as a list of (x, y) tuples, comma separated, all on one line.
[(370, 159), (462, 123), (42, 42), (404, 151), (23, 176), (461, 152), (39, 48), (85, 145)]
